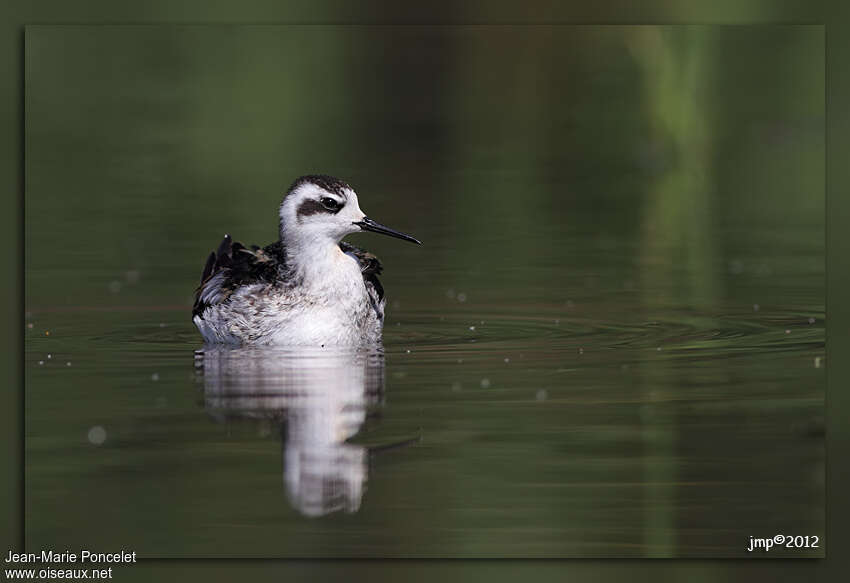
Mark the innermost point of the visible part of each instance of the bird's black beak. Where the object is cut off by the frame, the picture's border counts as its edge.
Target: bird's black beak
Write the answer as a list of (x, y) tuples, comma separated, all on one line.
[(368, 224)]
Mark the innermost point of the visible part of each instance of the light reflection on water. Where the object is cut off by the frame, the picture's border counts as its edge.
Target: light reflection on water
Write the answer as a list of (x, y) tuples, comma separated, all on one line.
[(318, 398)]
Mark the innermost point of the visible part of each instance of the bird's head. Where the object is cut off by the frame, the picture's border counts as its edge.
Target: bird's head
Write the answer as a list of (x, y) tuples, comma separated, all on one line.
[(325, 209)]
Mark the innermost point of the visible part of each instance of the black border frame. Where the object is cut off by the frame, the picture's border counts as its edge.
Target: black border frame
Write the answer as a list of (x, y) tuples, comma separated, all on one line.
[(15, 14)]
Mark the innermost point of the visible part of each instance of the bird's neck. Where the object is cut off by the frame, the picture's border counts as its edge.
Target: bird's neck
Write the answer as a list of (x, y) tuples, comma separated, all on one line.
[(315, 261)]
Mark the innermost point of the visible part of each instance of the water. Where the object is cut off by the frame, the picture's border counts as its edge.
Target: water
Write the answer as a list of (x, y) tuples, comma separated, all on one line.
[(611, 347), (524, 437)]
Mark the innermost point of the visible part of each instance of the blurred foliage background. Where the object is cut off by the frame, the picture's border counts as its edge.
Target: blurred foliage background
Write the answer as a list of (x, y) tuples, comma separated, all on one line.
[(695, 148)]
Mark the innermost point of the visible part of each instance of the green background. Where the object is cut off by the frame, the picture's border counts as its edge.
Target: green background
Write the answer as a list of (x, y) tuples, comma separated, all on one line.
[(41, 12)]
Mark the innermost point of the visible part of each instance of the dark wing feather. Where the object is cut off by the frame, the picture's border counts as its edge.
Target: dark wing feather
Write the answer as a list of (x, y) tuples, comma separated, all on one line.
[(370, 267), (208, 268), (233, 265)]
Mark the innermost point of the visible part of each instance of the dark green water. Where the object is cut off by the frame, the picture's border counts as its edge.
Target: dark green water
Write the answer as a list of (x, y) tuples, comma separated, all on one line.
[(611, 343)]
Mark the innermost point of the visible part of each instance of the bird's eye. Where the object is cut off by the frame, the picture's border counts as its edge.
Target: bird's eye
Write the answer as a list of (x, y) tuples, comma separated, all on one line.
[(330, 203)]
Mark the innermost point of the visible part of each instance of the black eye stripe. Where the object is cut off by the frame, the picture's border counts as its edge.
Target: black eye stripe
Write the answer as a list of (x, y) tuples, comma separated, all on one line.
[(312, 207)]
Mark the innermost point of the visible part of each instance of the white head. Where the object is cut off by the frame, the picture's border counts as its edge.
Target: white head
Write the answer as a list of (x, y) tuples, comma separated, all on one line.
[(320, 210)]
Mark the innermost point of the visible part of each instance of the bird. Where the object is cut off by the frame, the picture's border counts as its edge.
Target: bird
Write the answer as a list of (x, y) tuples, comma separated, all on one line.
[(308, 288)]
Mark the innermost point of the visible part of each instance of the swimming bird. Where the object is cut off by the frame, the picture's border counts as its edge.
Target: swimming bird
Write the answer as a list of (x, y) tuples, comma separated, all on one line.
[(308, 288)]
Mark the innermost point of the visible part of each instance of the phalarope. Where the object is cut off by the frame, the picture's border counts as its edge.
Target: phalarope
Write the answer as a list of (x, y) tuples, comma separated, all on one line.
[(309, 288)]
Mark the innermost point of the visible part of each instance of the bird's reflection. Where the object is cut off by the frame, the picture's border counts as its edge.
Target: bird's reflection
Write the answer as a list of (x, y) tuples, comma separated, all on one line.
[(320, 398)]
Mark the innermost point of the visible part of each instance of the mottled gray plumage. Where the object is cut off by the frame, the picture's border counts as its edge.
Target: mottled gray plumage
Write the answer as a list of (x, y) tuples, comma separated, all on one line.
[(233, 265)]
